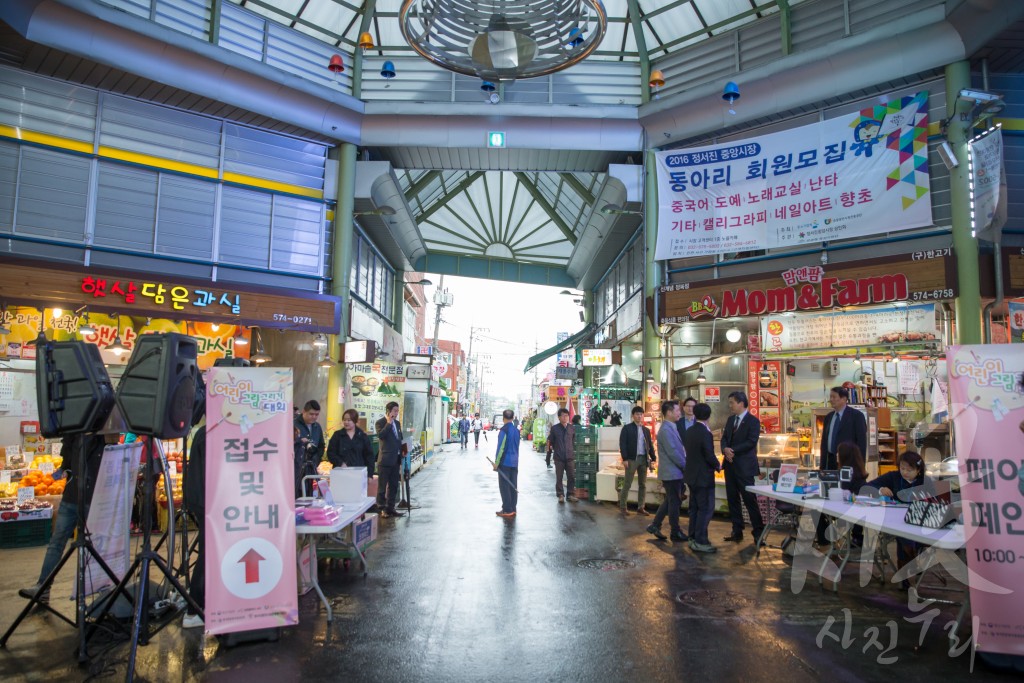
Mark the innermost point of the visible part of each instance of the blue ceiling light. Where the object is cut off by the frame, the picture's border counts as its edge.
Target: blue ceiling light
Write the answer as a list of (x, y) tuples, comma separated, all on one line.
[(730, 94), (388, 70), (487, 86)]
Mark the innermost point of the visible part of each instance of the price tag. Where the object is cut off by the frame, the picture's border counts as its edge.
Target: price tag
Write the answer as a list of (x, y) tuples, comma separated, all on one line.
[(55, 447), (5, 476), (172, 467), (46, 467), (13, 450), (26, 494)]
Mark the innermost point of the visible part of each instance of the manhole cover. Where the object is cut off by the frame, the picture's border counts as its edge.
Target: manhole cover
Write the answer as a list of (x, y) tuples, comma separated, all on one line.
[(714, 602), (606, 564)]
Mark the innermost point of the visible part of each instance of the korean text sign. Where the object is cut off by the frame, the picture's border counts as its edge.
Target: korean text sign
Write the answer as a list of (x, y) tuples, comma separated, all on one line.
[(864, 173), (250, 500), (987, 405)]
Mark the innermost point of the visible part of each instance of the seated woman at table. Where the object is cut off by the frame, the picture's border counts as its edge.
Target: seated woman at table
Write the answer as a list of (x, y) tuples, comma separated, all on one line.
[(849, 455), (909, 476), (350, 445)]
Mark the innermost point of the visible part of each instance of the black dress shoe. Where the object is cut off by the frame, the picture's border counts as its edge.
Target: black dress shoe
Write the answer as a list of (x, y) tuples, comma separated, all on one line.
[(735, 538), (656, 532), (395, 513), (679, 536)]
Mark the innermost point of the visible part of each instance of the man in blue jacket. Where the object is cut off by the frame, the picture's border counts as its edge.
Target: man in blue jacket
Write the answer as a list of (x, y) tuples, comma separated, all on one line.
[(506, 464)]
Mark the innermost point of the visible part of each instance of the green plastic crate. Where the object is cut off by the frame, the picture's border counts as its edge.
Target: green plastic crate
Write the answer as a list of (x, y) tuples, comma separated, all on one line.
[(25, 534)]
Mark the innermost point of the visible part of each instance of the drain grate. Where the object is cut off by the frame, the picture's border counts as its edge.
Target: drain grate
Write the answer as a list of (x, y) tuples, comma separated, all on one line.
[(605, 564), (714, 602)]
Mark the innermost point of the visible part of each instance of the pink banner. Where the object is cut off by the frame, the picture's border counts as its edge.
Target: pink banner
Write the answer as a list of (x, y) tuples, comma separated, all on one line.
[(250, 500), (987, 405)]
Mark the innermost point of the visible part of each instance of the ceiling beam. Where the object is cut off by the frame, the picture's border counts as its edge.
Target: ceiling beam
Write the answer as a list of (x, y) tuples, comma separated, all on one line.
[(574, 182), (494, 269), (641, 46), (414, 190), (548, 209), (455, 191)]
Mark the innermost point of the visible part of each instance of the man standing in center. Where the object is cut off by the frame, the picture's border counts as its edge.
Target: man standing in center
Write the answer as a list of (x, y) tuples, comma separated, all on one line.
[(701, 465), (842, 425), (670, 472), (389, 462), (688, 419), (739, 446), (464, 432), (560, 444), (635, 447), (506, 464)]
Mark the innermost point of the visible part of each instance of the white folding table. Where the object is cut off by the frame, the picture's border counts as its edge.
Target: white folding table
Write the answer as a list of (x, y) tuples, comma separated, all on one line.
[(347, 515)]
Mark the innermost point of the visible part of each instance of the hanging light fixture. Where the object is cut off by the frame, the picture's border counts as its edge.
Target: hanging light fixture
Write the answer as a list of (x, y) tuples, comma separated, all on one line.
[(365, 41), (733, 334), (326, 363), (261, 356), (116, 347), (319, 340), (730, 94), (504, 39), (239, 339), (701, 377), (765, 374), (856, 358), (214, 327), (86, 328), (656, 81), (650, 375)]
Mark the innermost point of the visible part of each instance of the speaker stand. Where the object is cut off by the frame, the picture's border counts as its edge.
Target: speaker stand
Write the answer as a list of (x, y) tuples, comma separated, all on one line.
[(83, 548), (143, 559)]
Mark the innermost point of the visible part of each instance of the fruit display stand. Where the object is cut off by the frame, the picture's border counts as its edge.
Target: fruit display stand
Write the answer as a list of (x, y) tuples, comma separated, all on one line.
[(25, 524)]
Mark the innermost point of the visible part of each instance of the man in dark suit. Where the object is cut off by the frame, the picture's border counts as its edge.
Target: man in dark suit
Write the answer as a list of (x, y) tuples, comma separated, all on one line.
[(389, 461), (842, 425), (635, 449), (701, 465), (739, 446)]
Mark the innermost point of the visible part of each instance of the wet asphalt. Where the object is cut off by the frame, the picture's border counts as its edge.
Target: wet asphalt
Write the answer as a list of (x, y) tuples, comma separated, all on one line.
[(562, 592)]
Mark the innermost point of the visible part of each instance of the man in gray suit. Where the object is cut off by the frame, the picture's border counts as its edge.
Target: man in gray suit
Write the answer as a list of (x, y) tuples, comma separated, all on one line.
[(671, 463), (389, 461)]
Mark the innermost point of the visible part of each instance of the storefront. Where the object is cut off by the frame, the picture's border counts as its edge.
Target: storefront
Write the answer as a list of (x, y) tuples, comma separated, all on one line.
[(876, 327)]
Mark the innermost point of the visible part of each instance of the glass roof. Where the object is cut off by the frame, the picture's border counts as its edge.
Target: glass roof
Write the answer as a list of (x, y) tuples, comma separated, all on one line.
[(528, 217), (667, 26)]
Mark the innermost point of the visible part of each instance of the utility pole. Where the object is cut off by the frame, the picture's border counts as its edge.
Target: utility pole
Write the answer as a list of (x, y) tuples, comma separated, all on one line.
[(441, 300), (469, 360)]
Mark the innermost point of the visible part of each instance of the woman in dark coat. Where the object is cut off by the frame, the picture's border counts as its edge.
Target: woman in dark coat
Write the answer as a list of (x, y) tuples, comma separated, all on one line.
[(350, 445), (909, 475)]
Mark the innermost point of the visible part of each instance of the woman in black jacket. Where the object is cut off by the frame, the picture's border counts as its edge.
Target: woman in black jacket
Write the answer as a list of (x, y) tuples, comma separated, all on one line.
[(350, 445), (909, 475)]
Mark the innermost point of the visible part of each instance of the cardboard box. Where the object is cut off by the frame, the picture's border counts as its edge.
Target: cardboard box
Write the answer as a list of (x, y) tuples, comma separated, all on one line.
[(348, 485), (364, 531)]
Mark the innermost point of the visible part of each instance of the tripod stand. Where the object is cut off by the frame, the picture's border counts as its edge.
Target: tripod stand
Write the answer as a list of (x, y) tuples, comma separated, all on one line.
[(82, 548), (143, 559)]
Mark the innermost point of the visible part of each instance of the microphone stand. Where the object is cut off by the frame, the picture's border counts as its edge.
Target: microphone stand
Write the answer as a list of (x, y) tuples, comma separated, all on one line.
[(83, 548)]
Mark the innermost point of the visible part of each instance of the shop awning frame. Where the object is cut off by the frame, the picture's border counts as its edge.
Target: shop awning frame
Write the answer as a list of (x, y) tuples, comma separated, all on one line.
[(571, 342)]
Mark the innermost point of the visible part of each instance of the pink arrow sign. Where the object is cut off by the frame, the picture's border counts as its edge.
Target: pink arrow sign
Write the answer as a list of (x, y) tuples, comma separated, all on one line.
[(252, 561)]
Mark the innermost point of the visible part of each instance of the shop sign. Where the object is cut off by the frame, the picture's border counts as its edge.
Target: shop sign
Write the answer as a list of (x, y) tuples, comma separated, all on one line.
[(1013, 272), (1016, 321), (250, 501), (809, 288), (25, 323), (596, 357), (712, 394), (141, 295), (988, 408), (566, 373), (565, 358), (764, 394), (440, 368), (417, 371), (863, 173), (372, 386), (559, 394), (862, 327)]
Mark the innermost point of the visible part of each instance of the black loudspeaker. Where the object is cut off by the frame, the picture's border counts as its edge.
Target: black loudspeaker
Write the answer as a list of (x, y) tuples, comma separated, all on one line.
[(231, 362), (73, 388), (158, 387)]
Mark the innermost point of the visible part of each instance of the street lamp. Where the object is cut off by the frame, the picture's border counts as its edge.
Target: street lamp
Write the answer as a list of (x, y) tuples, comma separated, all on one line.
[(381, 211), (616, 210)]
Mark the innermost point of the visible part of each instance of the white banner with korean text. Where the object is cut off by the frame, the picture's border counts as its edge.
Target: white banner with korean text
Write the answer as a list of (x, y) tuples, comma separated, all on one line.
[(865, 327), (865, 173)]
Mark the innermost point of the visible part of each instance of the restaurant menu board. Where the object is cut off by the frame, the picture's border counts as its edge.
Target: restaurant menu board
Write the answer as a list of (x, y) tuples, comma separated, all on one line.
[(765, 394), (986, 385), (372, 386), (862, 327)]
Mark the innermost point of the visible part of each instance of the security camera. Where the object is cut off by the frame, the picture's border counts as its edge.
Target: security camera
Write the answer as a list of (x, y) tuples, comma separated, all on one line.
[(947, 156), (978, 96)]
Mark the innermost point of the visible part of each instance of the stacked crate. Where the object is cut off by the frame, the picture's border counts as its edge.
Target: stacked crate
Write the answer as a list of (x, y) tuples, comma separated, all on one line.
[(586, 451)]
